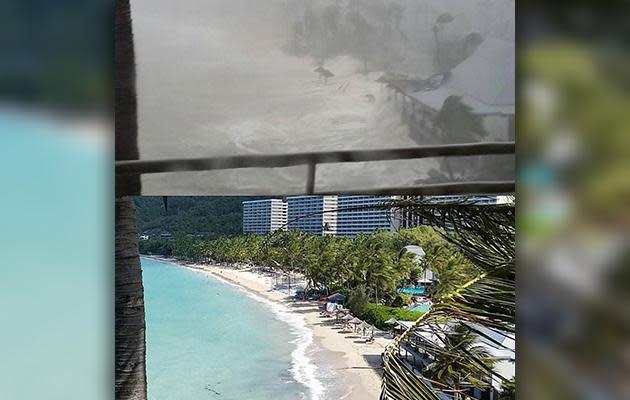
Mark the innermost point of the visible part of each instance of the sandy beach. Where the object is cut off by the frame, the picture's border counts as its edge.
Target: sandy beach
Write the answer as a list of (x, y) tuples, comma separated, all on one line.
[(354, 364)]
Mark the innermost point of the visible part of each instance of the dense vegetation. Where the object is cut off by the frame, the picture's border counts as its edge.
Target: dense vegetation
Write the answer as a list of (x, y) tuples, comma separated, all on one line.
[(485, 236), (378, 314), (368, 269), (203, 217)]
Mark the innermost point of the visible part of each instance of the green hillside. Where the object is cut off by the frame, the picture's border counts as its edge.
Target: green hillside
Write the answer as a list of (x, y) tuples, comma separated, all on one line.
[(207, 217)]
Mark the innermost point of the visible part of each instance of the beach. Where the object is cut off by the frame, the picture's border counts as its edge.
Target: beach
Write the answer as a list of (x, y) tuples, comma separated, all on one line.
[(352, 365)]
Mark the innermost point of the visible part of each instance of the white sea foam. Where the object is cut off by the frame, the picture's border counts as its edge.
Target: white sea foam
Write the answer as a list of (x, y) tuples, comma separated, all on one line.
[(302, 367)]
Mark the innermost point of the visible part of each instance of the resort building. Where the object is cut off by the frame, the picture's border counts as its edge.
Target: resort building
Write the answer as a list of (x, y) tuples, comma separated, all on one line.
[(407, 219), (312, 214), (352, 220), (264, 216), (339, 215)]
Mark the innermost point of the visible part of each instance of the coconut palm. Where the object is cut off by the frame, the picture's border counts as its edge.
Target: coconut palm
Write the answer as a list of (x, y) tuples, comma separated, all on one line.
[(126, 122), (456, 370), (130, 369), (508, 390)]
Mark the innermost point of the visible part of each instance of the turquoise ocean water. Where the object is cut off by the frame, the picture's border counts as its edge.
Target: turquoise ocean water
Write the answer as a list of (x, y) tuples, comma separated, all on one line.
[(207, 339), (56, 273)]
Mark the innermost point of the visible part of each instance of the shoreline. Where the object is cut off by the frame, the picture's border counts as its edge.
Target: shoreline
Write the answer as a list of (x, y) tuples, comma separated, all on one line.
[(355, 365)]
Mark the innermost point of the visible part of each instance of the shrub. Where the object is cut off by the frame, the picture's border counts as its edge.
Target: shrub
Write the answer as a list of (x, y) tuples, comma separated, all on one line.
[(401, 300), (357, 300), (377, 314)]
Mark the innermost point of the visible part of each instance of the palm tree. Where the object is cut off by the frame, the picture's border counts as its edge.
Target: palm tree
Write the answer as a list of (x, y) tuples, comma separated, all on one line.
[(130, 369), (508, 390), (126, 121), (456, 370), (485, 236)]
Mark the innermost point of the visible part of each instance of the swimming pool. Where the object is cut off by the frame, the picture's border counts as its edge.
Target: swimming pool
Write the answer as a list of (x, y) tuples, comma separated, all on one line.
[(421, 308), (412, 290)]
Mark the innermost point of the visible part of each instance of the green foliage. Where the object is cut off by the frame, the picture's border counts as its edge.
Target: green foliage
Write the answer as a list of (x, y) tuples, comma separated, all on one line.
[(377, 314), (377, 263), (357, 300), (484, 235), (401, 300), (508, 390), (156, 247), (454, 369), (203, 217)]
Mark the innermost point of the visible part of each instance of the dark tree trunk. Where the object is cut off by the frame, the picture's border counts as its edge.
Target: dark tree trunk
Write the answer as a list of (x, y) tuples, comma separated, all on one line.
[(125, 107), (130, 370)]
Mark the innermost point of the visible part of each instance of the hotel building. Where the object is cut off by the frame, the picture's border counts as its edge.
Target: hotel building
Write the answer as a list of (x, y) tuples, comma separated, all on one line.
[(312, 214), (317, 215), (354, 220), (264, 216)]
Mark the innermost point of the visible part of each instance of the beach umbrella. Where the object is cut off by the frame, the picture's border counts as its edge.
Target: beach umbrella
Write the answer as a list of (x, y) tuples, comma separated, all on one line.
[(347, 317), (337, 297), (356, 321), (391, 321)]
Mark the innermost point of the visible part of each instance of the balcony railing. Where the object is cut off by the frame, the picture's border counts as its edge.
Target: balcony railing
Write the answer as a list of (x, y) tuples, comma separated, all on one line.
[(131, 168)]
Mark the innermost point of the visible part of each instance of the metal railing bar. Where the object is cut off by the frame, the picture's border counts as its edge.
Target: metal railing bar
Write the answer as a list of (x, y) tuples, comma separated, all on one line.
[(287, 160), (463, 188)]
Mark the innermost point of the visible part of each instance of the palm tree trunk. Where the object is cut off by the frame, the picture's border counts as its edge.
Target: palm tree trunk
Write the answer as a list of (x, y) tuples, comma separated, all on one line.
[(130, 370), (125, 107)]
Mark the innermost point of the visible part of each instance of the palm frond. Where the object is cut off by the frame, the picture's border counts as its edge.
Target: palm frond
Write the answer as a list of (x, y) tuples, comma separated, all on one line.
[(479, 308)]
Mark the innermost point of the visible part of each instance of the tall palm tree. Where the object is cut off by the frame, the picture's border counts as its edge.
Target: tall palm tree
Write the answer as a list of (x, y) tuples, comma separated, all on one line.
[(130, 369), (456, 370)]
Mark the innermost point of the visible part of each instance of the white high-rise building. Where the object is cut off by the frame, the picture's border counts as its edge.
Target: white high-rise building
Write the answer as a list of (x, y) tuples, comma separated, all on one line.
[(312, 214), (264, 216), (353, 220)]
